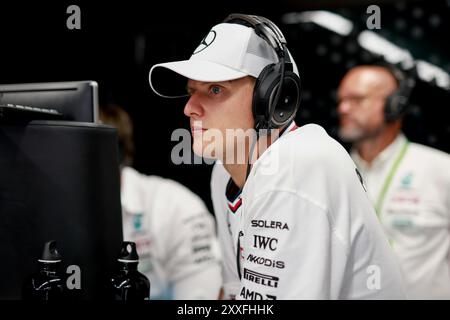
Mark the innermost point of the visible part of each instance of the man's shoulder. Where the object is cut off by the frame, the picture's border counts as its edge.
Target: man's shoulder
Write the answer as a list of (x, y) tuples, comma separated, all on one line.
[(423, 152), (304, 157), (150, 183), (309, 145), (162, 190), (432, 163)]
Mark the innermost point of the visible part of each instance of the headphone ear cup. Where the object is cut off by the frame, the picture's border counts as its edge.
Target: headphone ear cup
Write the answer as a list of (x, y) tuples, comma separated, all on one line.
[(395, 106), (264, 89), (266, 112), (388, 108), (288, 102)]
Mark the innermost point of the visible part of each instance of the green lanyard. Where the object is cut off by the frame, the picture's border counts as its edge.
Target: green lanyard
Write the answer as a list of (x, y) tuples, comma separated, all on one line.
[(389, 178)]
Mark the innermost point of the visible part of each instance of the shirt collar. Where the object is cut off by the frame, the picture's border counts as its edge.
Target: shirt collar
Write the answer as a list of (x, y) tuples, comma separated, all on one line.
[(383, 157), (291, 127)]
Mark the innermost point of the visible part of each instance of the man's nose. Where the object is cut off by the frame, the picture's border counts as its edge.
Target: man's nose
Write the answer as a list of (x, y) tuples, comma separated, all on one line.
[(343, 107), (194, 107)]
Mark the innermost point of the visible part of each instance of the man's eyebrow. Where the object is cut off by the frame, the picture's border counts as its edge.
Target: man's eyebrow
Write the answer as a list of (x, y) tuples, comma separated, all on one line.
[(195, 86), (206, 84)]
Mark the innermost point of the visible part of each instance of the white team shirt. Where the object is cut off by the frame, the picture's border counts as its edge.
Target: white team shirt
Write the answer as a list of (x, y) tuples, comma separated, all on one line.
[(305, 226), (174, 235), (415, 213)]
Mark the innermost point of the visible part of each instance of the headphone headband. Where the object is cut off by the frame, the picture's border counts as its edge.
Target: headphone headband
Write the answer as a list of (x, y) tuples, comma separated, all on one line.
[(263, 28), (277, 90)]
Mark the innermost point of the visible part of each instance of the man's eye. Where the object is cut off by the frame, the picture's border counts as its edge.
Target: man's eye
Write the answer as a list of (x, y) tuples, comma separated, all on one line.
[(189, 91), (215, 90)]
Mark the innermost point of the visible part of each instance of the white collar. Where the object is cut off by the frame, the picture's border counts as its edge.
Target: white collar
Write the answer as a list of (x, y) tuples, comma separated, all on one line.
[(383, 157), (291, 127)]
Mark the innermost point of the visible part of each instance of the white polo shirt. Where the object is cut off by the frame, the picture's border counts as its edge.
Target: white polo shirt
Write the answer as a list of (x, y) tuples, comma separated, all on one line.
[(174, 235), (415, 212), (303, 226)]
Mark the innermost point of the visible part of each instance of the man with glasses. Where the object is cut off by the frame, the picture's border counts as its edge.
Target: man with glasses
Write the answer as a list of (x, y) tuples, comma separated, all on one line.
[(408, 183)]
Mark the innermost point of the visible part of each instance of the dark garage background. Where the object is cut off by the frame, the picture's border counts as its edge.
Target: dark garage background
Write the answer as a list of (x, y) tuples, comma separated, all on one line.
[(119, 42)]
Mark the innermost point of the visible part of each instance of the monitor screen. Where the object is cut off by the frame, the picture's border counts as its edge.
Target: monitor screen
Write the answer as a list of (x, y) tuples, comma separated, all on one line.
[(76, 100), (59, 180)]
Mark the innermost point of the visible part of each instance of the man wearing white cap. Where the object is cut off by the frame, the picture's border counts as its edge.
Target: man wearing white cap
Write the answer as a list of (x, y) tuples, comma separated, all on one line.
[(294, 220)]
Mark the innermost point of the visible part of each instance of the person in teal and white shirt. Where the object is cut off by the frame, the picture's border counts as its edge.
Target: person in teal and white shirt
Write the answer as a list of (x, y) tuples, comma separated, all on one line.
[(408, 183), (174, 232)]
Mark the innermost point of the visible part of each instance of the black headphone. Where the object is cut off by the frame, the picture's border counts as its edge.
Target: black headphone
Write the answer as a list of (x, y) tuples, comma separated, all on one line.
[(397, 102), (276, 96)]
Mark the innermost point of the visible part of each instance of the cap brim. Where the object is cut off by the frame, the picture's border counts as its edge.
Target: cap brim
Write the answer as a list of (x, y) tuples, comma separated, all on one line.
[(199, 70)]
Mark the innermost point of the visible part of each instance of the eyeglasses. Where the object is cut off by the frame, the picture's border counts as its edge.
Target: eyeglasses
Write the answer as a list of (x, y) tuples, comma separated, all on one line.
[(356, 100)]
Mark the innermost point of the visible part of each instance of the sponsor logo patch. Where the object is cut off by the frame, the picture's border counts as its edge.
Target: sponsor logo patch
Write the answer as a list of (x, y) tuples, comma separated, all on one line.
[(261, 242), (270, 224), (260, 278), (253, 295), (266, 262)]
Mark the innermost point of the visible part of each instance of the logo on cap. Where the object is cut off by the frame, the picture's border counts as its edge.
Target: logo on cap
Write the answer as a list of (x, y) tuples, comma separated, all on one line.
[(206, 42)]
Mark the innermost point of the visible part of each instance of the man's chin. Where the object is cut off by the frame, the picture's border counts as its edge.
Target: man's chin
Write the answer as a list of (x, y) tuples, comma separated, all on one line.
[(350, 136), (198, 152), (204, 152)]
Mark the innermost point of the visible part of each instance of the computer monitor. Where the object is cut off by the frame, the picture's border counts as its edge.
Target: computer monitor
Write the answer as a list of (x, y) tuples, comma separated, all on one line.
[(76, 100), (59, 180)]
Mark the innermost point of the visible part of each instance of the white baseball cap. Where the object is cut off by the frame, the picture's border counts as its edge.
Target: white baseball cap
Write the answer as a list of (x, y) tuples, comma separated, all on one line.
[(229, 51)]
